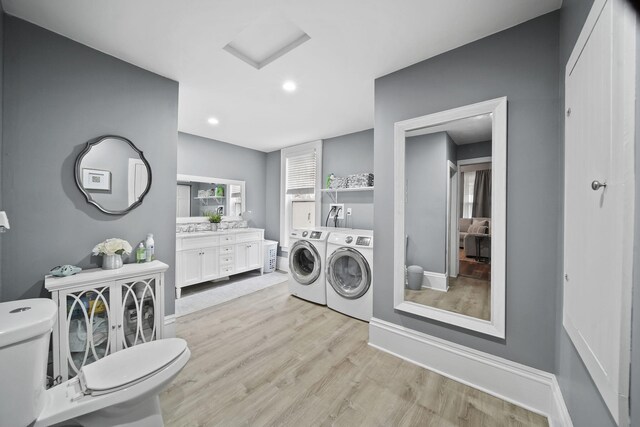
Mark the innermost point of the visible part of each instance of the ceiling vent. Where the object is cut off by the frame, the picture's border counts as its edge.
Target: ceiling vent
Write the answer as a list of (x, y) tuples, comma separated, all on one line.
[(266, 40)]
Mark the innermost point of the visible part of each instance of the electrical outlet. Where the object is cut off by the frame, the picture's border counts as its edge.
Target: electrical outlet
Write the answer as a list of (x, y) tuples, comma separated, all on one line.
[(348, 211), (339, 208)]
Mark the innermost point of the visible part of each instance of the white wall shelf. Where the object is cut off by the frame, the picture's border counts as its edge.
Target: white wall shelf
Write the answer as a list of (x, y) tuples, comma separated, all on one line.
[(333, 192)]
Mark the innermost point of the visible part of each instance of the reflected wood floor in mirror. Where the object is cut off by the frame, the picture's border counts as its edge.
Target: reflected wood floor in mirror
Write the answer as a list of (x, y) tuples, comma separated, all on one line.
[(470, 267), (466, 295), (271, 359)]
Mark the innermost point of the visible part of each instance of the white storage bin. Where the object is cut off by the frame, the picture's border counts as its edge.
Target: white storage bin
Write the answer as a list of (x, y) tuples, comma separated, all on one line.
[(270, 255)]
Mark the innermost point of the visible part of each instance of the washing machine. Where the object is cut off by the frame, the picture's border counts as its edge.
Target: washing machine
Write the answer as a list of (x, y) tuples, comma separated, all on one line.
[(349, 274), (307, 256)]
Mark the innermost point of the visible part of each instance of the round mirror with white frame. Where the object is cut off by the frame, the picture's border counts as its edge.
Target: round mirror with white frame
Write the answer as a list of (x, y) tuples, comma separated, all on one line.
[(450, 216)]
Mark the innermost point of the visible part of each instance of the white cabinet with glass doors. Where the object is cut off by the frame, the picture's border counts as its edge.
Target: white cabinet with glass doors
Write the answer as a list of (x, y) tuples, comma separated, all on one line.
[(104, 311)]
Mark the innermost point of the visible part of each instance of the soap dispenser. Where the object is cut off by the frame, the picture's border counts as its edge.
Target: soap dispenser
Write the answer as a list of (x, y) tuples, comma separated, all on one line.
[(141, 253), (150, 247)]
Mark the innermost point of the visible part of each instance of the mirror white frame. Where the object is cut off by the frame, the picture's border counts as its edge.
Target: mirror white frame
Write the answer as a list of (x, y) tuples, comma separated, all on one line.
[(496, 325), (209, 180)]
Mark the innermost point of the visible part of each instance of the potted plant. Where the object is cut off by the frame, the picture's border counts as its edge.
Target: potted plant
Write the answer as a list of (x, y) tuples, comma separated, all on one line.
[(214, 219), (112, 251)]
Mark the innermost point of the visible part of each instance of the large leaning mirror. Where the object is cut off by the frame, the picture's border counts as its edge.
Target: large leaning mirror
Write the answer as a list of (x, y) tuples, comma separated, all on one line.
[(450, 216), (113, 175), (199, 196)]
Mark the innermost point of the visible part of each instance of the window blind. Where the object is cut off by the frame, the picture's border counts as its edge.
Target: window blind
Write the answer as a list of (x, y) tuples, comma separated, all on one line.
[(301, 173)]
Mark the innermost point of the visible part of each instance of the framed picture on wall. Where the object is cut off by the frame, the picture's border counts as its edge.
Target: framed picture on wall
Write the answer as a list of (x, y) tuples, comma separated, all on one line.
[(96, 179)]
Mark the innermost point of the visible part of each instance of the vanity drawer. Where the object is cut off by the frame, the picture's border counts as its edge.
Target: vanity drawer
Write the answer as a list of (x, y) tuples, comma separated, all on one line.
[(225, 250), (249, 237), (226, 270), (199, 242), (226, 260), (227, 238)]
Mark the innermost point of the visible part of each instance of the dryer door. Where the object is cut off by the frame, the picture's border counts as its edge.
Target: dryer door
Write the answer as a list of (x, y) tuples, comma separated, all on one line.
[(304, 262), (349, 273)]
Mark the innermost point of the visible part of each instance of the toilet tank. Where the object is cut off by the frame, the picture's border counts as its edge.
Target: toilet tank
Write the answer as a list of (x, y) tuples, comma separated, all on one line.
[(25, 329)]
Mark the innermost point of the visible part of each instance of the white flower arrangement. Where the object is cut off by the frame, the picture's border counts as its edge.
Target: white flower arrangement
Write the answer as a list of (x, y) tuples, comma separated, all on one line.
[(112, 247)]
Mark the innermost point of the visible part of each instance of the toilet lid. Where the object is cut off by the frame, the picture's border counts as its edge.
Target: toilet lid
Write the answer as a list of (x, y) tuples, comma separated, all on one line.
[(130, 365)]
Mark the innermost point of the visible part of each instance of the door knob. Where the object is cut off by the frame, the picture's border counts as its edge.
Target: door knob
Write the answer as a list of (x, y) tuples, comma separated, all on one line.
[(596, 185)]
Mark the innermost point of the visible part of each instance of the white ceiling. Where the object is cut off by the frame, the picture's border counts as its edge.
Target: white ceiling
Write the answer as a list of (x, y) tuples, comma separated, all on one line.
[(352, 43), (464, 131)]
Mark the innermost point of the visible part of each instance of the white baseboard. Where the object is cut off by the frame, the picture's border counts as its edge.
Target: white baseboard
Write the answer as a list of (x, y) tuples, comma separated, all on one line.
[(530, 388), (436, 281), (170, 326), (282, 264)]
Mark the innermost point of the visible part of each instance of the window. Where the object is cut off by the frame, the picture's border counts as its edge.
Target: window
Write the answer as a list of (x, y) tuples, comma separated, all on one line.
[(300, 180), (469, 179)]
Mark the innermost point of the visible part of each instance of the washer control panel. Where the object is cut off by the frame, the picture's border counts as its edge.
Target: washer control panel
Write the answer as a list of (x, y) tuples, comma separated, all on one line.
[(349, 239), (316, 234), (305, 233), (363, 241)]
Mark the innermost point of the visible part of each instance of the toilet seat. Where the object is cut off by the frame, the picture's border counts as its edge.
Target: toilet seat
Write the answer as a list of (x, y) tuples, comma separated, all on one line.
[(69, 401), (130, 366)]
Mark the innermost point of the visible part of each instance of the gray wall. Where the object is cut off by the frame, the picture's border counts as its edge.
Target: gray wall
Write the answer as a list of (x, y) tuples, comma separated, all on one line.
[(345, 155), (580, 393), (473, 151), (522, 64), (426, 207), (58, 95), (272, 194), (216, 159)]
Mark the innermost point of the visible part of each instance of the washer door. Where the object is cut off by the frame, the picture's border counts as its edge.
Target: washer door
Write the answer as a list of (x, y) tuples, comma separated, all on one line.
[(304, 262), (348, 273)]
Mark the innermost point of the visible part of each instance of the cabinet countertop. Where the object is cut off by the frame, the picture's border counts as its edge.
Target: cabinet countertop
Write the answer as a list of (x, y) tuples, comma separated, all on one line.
[(217, 233), (95, 275)]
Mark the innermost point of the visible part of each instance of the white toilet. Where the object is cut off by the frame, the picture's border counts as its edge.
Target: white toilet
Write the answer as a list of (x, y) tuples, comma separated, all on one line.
[(119, 390)]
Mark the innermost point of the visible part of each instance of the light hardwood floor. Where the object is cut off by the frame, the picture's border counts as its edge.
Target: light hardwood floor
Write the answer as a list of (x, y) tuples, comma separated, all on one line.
[(272, 359), (465, 296)]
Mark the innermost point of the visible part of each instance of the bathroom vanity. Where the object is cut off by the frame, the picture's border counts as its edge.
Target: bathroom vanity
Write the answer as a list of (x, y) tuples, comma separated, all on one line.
[(208, 255), (104, 311)]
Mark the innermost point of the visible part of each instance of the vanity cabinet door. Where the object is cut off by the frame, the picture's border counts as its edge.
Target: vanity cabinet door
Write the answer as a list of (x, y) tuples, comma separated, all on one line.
[(242, 261), (87, 323), (253, 255), (209, 257), (248, 256), (139, 317), (191, 267)]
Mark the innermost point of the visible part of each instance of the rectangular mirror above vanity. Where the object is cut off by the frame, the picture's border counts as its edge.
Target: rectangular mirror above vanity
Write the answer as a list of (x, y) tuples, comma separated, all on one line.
[(214, 239), (450, 216)]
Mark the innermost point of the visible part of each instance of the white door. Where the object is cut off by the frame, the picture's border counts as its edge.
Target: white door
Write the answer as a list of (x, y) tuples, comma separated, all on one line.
[(595, 313), (242, 257), (191, 266), (210, 258), (183, 205)]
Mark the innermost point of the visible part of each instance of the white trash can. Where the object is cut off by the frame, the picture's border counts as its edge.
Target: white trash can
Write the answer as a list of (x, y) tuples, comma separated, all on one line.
[(415, 274), (270, 255)]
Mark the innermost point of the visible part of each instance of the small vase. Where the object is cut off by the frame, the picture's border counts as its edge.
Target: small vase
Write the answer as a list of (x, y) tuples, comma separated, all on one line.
[(111, 262)]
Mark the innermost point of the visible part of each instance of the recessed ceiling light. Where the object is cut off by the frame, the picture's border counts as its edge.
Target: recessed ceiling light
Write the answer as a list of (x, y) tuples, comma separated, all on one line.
[(213, 121), (289, 86)]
